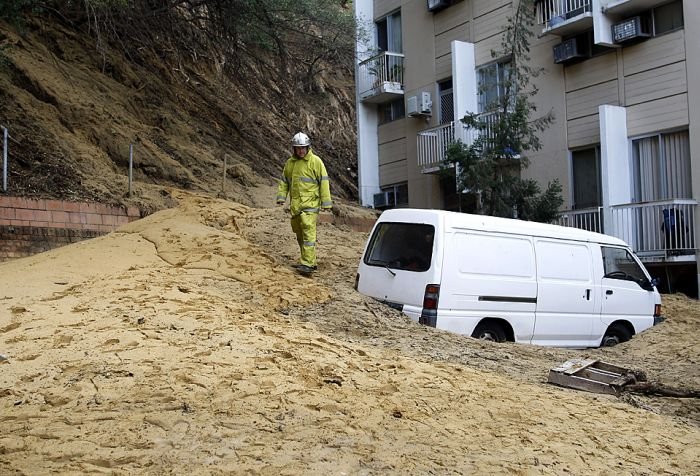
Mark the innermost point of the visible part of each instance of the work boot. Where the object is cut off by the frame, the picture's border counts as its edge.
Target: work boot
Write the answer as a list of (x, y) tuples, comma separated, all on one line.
[(297, 266), (303, 269)]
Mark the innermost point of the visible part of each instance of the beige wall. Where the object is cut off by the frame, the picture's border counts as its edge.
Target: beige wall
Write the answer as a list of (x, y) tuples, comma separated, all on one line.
[(691, 11), (649, 78), (655, 84), (383, 7), (429, 61), (552, 161), (392, 153)]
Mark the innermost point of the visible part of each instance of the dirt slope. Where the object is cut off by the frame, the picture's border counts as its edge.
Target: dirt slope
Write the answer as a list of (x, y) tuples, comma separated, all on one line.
[(73, 110), (185, 343)]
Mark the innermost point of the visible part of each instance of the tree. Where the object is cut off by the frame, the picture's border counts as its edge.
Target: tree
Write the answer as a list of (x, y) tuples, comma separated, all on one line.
[(303, 36), (492, 164)]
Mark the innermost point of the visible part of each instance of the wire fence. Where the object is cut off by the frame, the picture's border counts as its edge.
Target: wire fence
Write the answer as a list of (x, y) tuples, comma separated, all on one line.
[(6, 138)]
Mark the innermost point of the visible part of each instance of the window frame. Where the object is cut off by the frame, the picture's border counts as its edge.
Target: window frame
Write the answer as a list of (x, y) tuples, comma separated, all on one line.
[(404, 249), (652, 16), (662, 164), (396, 110), (599, 180), (390, 20), (502, 64)]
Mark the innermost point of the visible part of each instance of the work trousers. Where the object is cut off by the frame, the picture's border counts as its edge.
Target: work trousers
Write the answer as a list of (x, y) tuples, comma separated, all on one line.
[(304, 226)]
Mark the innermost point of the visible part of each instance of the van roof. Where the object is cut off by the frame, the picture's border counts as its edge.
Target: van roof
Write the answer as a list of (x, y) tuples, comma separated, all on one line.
[(496, 224)]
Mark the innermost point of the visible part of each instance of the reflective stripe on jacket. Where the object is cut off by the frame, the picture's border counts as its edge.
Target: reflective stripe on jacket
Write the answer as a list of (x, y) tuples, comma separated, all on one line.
[(306, 182)]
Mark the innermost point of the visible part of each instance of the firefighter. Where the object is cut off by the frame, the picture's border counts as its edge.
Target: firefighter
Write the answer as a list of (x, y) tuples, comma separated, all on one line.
[(305, 181)]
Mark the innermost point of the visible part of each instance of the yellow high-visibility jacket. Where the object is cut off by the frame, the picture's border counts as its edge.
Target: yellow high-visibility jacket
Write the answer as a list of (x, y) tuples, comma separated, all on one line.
[(306, 182)]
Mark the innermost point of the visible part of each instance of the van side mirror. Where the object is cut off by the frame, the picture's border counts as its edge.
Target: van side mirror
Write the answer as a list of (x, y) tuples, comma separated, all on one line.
[(655, 282)]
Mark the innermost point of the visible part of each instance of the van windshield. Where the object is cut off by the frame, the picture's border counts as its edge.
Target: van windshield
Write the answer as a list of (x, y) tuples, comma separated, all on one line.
[(405, 246)]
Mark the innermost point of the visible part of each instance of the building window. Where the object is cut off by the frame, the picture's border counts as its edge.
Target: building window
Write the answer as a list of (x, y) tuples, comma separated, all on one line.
[(388, 31), (447, 114), (392, 111), (585, 166), (401, 194), (661, 167), (668, 17), (493, 83), (397, 195)]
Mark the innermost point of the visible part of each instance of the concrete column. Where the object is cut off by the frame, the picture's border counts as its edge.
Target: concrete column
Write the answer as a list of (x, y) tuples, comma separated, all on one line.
[(464, 87), (615, 166), (367, 118)]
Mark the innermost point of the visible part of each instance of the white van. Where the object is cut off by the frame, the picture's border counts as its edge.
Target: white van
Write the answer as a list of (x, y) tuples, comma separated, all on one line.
[(508, 280)]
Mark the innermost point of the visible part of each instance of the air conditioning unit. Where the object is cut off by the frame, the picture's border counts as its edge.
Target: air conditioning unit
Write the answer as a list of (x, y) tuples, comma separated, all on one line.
[(426, 104), (569, 50), (384, 199), (437, 5), (420, 105), (632, 29)]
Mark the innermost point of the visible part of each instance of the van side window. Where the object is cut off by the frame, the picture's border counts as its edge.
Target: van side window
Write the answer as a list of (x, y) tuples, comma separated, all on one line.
[(618, 263), (405, 246)]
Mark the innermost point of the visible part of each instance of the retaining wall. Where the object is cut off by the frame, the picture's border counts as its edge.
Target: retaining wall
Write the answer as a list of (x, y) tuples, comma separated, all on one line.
[(29, 226), (363, 224)]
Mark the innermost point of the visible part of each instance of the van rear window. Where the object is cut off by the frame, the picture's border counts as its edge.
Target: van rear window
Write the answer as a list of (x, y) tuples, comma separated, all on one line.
[(405, 246)]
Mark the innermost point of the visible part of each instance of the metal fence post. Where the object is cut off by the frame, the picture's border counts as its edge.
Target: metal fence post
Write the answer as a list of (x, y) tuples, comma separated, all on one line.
[(131, 166), (4, 159), (223, 177)]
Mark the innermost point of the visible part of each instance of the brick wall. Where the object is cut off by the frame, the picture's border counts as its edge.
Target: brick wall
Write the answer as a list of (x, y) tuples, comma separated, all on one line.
[(29, 226)]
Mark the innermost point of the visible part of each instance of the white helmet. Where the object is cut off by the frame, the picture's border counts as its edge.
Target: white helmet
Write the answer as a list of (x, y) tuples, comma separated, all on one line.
[(301, 140)]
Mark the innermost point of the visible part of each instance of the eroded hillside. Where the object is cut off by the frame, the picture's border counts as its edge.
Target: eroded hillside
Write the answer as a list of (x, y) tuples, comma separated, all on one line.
[(74, 106)]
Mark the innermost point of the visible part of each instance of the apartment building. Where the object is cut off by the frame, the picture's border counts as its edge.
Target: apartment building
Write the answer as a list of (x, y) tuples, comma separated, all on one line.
[(622, 78)]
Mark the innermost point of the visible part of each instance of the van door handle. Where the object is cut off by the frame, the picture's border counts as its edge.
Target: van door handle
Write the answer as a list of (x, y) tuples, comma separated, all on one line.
[(608, 292), (588, 294)]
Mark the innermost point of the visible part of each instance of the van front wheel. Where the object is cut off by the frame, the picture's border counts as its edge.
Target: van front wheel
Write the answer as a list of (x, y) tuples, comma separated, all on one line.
[(491, 331), (616, 334)]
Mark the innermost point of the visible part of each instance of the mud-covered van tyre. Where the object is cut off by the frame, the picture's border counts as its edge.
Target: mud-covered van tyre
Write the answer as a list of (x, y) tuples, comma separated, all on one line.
[(615, 334), (491, 331)]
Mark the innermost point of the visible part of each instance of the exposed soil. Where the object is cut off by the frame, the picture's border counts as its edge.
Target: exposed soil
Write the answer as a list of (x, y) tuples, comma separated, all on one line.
[(185, 342), (73, 111)]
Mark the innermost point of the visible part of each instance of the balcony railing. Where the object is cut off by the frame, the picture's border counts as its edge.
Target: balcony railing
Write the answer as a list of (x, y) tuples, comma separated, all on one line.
[(656, 228), (380, 78), (586, 219), (564, 16), (434, 142), (664, 229)]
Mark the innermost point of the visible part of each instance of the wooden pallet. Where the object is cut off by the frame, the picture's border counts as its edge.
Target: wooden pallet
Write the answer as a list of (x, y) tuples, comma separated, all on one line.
[(591, 376)]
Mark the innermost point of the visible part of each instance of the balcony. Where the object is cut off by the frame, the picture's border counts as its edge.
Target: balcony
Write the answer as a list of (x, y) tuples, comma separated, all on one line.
[(380, 78), (434, 142), (656, 231), (624, 8), (586, 219), (564, 17)]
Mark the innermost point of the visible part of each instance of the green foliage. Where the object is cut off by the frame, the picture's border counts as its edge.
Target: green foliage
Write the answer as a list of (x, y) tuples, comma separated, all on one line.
[(13, 11), (492, 164), (531, 203)]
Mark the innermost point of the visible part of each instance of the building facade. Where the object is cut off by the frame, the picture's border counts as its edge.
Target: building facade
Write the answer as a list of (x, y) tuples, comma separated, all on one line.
[(622, 78)]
